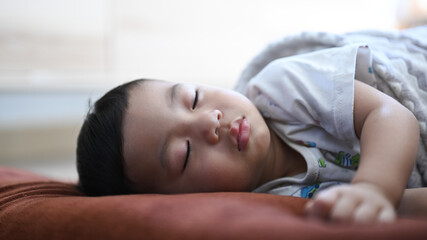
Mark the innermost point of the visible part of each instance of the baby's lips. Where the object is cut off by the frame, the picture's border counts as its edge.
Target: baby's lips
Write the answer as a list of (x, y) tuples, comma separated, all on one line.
[(244, 134), (240, 132), (234, 130)]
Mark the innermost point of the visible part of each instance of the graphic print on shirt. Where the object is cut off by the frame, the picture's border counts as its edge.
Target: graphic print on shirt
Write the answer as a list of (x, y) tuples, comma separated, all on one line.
[(322, 163), (346, 160), (307, 143), (308, 192)]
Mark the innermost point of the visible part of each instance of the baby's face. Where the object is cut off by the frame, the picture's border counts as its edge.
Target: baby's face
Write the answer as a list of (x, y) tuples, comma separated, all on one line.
[(181, 138)]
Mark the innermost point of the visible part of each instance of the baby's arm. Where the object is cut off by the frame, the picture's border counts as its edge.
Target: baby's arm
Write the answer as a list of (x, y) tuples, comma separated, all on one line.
[(413, 203), (389, 137)]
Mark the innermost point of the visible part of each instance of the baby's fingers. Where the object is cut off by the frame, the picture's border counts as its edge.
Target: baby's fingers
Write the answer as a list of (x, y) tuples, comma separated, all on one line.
[(352, 203), (320, 207), (387, 215), (366, 213), (344, 208)]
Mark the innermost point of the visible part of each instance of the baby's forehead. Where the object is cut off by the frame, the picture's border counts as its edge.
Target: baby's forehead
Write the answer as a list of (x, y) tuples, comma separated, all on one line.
[(143, 120), (145, 92)]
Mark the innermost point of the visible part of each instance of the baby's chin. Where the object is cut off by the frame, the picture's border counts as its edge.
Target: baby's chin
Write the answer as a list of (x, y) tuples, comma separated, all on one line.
[(261, 136)]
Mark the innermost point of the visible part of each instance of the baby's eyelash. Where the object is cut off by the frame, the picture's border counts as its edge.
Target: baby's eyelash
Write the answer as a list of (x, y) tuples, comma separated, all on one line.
[(196, 98), (187, 156)]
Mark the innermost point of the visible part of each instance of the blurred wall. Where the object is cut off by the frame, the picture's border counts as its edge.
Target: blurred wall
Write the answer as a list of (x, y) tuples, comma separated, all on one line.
[(55, 55)]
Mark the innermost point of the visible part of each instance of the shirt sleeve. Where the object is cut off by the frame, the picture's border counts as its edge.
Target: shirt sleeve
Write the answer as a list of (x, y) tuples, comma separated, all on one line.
[(312, 92)]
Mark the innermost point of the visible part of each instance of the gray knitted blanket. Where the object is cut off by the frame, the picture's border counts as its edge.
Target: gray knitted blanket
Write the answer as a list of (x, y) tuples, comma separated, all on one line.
[(399, 64)]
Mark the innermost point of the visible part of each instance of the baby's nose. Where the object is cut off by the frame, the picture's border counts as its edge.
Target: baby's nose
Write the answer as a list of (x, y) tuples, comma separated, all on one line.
[(210, 124), (218, 114)]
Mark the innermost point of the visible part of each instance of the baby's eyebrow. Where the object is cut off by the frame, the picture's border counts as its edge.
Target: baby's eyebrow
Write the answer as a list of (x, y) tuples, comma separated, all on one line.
[(172, 94)]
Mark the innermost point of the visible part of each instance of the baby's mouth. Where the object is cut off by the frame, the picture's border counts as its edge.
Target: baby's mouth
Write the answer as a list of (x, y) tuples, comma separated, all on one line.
[(240, 131)]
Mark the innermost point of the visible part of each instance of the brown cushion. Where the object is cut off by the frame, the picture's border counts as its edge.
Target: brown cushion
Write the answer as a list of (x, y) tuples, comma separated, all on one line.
[(36, 207)]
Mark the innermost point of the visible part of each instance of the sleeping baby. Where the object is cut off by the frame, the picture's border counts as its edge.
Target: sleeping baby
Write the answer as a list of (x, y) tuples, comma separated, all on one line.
[(308, 125)]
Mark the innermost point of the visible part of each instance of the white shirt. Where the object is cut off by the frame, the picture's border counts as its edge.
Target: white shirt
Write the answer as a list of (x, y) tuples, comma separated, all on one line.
[(308, 100)]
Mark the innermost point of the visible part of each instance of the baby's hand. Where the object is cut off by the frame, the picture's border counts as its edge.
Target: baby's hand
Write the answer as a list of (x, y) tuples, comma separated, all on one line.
[(360, 202)]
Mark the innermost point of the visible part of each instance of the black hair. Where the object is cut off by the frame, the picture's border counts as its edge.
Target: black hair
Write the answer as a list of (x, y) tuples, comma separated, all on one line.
[(100, 145)]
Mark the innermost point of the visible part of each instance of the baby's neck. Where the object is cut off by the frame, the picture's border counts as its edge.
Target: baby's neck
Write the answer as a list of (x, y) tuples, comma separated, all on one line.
[(288, 161)]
